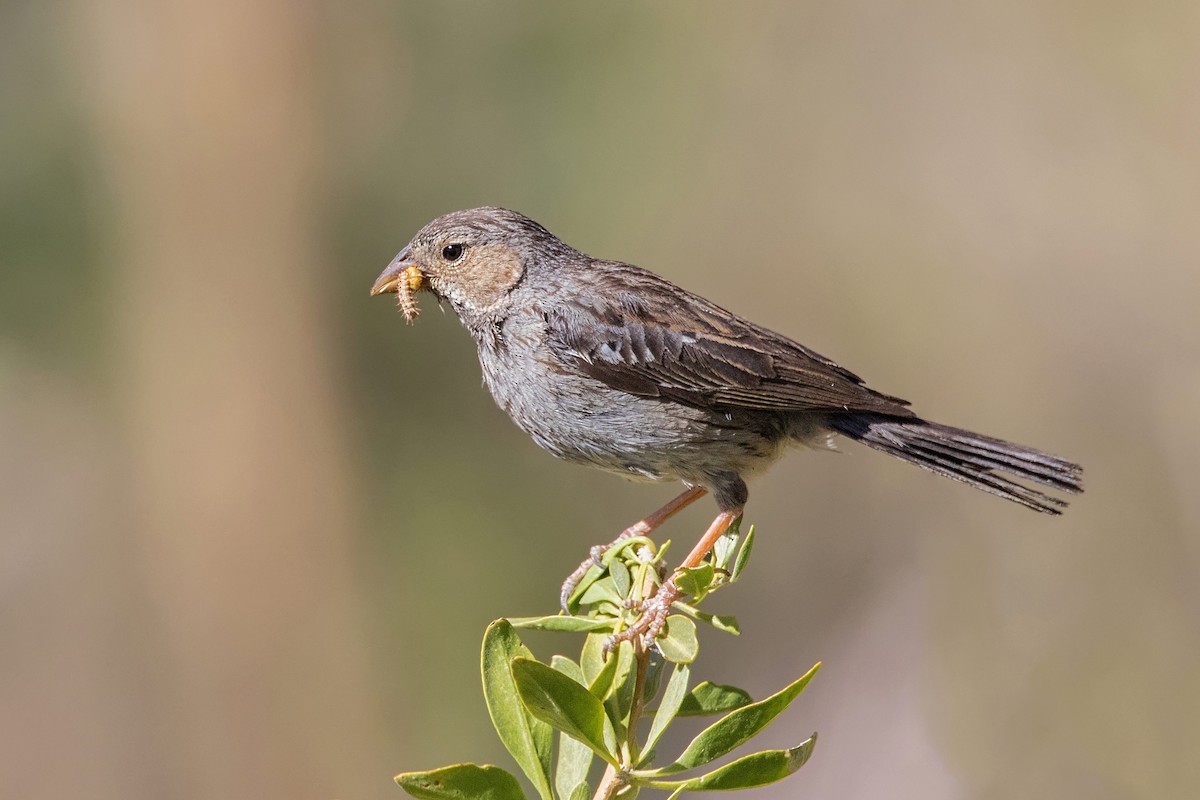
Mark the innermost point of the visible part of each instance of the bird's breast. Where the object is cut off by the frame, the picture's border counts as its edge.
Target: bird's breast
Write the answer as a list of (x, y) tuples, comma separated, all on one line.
[(580, 419)]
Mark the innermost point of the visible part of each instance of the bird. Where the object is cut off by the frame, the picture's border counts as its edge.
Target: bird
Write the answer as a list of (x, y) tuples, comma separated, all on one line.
[(607, 364)]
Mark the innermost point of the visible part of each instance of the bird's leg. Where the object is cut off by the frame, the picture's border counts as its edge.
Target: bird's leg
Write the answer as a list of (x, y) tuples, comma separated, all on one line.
[(642, 527), (655, 610)]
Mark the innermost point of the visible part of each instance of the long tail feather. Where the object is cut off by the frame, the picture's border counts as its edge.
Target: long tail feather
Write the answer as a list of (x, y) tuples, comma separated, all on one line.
[(968, 457)]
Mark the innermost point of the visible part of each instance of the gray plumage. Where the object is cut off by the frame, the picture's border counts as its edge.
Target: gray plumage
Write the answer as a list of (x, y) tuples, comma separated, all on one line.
[(607, 364)]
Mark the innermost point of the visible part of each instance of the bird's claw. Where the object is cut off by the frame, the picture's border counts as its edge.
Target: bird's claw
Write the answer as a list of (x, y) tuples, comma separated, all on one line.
[(650, 622), (595, 559)]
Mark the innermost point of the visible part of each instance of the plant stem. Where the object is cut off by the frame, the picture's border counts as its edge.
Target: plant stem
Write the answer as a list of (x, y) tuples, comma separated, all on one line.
[(610, 784), (641, 657)]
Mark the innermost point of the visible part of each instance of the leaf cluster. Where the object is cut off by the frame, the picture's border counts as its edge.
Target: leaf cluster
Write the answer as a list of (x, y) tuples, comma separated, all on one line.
[(615, 706)]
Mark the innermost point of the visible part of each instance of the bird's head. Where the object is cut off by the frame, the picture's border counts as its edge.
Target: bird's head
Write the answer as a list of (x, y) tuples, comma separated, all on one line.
[(473, 259)]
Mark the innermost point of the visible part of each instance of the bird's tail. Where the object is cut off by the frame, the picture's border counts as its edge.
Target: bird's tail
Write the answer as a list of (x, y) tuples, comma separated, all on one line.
[(968, 457)]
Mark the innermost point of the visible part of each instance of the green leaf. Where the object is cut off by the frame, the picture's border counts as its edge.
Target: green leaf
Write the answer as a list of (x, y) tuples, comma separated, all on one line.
[(711, 698), (581, 792), (756, 769), (620, 577), (620, 696), (602, 685), (662, 551), (593, 574), (601, 591), (566, 705), (679, 643), (695, 581), (736, 728), (567, 667), (462, 782), (743, 556), (559, 622), (672, 698), (654, 671), (724, 549), (574, 758), (529, 740), (634, 543), (571, 768), (722, 622), (591, 658)]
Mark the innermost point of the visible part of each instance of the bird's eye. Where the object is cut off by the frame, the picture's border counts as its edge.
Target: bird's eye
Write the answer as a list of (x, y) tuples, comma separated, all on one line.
[(452, 252)]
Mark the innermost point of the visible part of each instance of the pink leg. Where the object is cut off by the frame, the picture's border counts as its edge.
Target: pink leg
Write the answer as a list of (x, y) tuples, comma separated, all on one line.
[(642, 527), (654, 613)]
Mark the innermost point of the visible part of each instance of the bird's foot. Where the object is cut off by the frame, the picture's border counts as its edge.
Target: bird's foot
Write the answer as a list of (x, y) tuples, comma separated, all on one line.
[(642, 527), (594, 559), (650, 621)]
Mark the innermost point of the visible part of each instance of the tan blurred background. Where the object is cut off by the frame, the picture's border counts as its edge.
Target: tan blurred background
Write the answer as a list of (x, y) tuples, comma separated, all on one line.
[(252, 526)]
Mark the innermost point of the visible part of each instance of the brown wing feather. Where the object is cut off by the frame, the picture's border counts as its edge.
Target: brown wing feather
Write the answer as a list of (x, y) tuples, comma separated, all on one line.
[(640, 334)]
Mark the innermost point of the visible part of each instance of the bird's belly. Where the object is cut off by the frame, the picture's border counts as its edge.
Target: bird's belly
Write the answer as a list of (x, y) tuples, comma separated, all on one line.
[(582, 420)]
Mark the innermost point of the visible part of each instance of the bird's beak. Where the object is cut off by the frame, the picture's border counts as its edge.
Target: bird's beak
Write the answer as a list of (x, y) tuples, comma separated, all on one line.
[(400, 271)]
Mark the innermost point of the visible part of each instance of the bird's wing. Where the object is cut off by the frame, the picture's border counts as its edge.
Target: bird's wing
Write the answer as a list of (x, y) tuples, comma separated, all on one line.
[(638, 333)]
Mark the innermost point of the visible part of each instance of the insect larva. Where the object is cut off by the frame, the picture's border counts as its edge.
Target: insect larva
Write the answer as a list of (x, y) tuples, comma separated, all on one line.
[(410, 282)]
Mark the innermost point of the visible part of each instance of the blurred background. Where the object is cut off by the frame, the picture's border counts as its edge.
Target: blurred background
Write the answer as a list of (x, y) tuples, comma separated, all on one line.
[(252, 526)]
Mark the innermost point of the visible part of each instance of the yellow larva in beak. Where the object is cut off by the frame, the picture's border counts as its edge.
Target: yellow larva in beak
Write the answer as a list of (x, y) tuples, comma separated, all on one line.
[(410, 282), (405, 279)]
